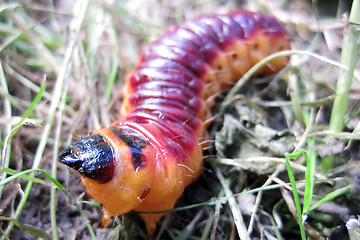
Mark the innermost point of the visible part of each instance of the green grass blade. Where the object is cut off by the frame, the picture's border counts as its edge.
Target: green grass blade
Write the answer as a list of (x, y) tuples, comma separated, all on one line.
[(37, 232), (309, 174), (348, 58), (354, 17), (31, 181), (34, 102), (330, 197), (8, 7), (295, 192), (23, 176), (5, 153), (30, 108)]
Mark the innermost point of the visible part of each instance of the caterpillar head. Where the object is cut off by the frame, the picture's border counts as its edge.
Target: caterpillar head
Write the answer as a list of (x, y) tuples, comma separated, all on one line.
[(92, 157), (115, 166)]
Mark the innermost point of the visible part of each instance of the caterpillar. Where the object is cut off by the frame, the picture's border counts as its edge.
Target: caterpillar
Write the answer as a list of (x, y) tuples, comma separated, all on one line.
[(145, 161)]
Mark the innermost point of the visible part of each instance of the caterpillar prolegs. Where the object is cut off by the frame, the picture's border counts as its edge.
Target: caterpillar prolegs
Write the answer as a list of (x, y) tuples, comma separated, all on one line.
[(145, 161)]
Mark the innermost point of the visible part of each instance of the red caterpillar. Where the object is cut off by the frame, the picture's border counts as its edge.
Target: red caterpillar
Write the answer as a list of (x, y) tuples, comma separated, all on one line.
[(145, 161)]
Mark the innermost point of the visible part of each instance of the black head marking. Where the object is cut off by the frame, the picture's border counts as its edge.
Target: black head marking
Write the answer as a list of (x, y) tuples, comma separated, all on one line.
[(92, 157), (135, 142)]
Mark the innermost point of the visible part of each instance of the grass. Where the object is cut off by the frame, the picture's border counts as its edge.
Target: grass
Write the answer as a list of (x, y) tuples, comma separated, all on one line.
[(309, 187), (344, 83), (61, 74), (348, 58)]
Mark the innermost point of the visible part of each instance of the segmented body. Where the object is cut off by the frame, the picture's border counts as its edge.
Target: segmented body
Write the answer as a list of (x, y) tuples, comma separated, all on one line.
[(145, 161)]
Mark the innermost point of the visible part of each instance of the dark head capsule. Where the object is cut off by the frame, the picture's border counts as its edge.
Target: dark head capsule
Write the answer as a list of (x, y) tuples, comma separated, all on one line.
[(92, 157)]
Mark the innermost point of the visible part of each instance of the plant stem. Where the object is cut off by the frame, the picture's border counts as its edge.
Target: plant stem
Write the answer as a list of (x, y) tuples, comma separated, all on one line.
[(5, 153), (348, 59)]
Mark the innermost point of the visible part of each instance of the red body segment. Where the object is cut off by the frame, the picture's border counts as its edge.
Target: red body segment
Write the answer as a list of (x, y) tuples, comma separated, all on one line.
[(166, 100)]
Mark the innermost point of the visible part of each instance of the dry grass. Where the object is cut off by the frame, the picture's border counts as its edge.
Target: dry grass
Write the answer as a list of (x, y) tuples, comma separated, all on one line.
[(82, 51)]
